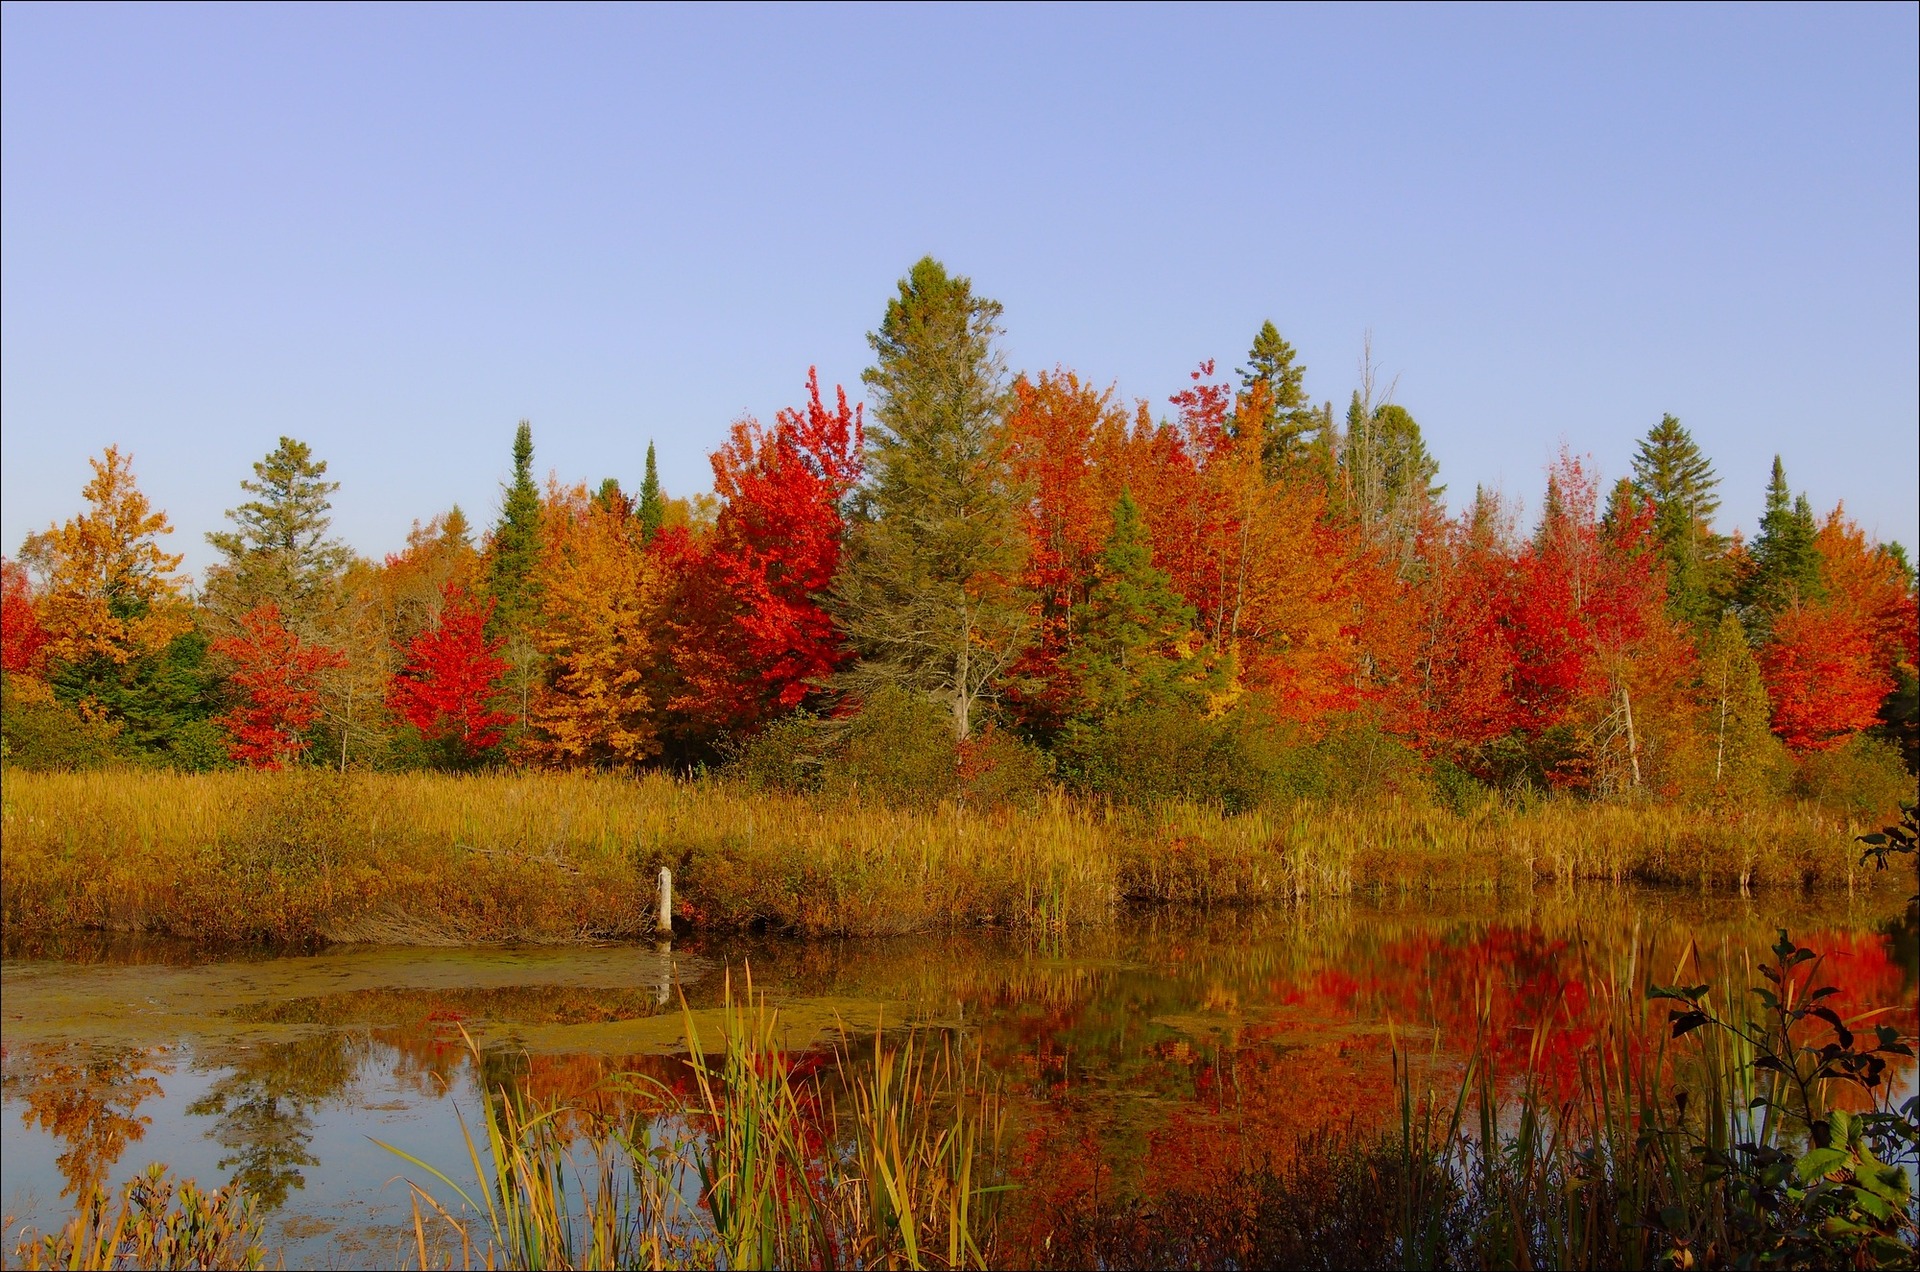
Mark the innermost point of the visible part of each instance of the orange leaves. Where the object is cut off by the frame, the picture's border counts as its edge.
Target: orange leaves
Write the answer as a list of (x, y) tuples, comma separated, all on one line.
[(278, 681), (110, 591), (1821, 675), (601, 619), (1829, 664)]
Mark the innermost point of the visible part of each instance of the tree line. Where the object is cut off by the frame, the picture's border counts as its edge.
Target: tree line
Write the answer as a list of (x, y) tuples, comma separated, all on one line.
[(1022, 565)]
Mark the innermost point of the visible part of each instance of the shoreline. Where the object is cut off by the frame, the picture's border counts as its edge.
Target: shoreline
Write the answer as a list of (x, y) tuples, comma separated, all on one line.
[(312, 858)]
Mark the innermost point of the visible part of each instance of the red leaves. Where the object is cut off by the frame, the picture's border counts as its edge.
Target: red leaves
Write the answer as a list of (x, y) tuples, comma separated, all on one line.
[(754, 637), (452, 674), (1821, 675), (22, 635), (278, 682)]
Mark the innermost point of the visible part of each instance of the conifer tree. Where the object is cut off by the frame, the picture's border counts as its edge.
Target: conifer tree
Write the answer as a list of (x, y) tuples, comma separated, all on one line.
[(652, 509), (1138, 647), (1386, 471), (1786, 563), (516, 541), (929, 594), (279, 553), (1670, 470), (1289, 425)]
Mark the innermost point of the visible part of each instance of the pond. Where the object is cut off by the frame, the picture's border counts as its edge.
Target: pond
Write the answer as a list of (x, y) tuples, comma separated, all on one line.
[(1151, 1057)]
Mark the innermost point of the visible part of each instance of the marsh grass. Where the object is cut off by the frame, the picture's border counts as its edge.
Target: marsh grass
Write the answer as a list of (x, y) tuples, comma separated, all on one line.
[(887, 1163), (311, 856)]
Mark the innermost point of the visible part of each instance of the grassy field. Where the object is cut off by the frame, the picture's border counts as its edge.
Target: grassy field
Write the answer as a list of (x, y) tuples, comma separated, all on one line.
[(308, 855)]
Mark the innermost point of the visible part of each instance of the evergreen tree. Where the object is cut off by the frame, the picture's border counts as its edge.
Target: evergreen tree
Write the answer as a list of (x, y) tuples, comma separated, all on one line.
[(653, 506), (1786, 565), (279, 551), (928, 595), (516, 541), (1138, 647), (1386, 473), (1289, 425), (1670, 470)]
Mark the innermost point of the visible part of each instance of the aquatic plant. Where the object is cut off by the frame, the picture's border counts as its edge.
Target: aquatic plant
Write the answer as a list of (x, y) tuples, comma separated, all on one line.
[(160, 1223), (762, 1168)]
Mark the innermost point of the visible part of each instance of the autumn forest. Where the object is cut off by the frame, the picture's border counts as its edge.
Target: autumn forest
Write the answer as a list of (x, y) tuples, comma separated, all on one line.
[(1014, 579)]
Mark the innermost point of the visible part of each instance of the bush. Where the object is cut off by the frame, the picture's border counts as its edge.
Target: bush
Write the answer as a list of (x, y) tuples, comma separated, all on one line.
[(787, 755), (36, 732), (1157, 755), (898, 750), (1863, 778)]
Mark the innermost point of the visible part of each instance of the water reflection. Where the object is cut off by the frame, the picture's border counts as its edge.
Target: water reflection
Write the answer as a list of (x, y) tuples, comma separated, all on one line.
[(1152, 1062), (89, 1101), (263, 1105)]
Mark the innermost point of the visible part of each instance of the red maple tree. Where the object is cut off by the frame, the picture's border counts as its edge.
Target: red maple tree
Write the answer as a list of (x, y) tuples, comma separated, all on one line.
[(755, 635), (22, 635), (1822, 676), (278, 681), (452, 675)]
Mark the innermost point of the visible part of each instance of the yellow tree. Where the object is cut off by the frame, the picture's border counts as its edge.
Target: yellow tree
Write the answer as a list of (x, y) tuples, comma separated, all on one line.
[(601, 631), (109, 590)]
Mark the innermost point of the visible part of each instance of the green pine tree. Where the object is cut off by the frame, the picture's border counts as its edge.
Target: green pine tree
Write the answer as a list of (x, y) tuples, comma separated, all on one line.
[(653, 505), (516, 541), (1386, 472), (1786, 565), (1137, 647), (1289, 426), (928, 592), (1670, 470), (279, 551)]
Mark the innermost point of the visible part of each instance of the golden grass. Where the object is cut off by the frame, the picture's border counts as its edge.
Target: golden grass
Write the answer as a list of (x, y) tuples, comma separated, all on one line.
[(424, 858)]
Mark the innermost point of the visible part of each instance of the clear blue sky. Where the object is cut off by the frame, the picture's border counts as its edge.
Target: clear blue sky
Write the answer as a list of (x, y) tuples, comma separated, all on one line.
[(394, 232)]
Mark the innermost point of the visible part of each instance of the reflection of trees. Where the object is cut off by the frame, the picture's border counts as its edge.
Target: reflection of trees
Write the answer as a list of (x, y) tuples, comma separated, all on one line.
[(263, 1108), (89, 1101)]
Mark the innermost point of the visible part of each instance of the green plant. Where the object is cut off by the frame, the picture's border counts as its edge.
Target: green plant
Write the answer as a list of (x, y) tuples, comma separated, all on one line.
[(161, 1223)]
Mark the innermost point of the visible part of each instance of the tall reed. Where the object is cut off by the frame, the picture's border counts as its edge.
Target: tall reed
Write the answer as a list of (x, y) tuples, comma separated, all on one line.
[(889, 1164)]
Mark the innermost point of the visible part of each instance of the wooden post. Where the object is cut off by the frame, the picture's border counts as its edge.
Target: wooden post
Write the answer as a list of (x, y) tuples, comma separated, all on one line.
[(663, 919)]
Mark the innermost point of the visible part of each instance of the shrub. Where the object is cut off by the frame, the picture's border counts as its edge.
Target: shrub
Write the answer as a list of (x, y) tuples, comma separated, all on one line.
[(1864, 777), (899, 750), (787, 755), (36, 732), (1159, 755)]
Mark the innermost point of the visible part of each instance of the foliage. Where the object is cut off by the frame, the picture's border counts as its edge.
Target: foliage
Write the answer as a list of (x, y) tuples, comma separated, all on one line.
[(752, 638), (278, 552), (38, 732), (160, 1223), (601, 601), (451, 677), (929, 593), (108, 590), (276, 678), (1863, 778), (1671, 473)]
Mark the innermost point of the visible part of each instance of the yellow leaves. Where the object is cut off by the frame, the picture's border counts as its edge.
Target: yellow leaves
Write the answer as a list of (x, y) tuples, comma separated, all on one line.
[(602, 596), (110, 590)]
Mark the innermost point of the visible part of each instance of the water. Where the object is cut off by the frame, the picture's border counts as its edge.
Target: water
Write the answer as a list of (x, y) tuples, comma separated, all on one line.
[(1151, 1057)]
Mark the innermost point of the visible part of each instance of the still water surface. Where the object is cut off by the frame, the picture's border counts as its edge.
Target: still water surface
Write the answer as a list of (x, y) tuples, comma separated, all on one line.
[(1152, 1057)]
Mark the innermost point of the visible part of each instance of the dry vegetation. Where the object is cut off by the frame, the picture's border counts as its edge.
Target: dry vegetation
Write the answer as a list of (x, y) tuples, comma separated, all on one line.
[(419, 858)]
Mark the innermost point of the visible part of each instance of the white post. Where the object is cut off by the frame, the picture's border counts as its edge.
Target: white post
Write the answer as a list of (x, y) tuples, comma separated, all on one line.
[(663, 920)]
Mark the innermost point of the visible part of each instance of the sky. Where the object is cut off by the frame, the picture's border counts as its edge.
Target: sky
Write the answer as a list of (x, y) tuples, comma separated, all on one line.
[(393, 232)]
